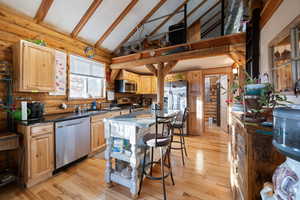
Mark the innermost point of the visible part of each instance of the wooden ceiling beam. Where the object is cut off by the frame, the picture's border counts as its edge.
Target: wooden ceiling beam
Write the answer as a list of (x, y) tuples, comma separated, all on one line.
[(208, 11), (151, 68), (199, 53), (84, 19), (169, 66), (15, 22), (114, 74), (268, 10), (238, 38), (116, 22), (43, 10), (145, 19), (168, 18), (195, 9)]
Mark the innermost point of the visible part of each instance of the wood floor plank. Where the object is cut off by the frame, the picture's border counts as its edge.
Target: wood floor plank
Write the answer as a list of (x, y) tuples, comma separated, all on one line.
[(204, 177)]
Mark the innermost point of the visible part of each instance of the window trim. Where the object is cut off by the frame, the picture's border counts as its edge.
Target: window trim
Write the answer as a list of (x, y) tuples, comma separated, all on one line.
[(292, 30), (84, 75)]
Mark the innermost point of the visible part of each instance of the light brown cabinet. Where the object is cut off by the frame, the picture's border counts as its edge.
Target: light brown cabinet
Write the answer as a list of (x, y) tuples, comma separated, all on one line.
[(39, 152), (97, 130), (195, 102), (154, 85), (147, 85), (97, 133), (41, 155), (34, 67)]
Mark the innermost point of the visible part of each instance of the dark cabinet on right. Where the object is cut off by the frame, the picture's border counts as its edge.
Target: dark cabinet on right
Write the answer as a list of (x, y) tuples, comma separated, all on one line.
[(253, 159)]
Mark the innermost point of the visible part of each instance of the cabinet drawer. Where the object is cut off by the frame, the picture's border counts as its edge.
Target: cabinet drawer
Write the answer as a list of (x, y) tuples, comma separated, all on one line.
[(42, 129), (97, 118)]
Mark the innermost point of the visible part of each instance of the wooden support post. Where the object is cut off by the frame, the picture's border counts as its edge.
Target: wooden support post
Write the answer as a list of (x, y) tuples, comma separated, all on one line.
[(160, 84)]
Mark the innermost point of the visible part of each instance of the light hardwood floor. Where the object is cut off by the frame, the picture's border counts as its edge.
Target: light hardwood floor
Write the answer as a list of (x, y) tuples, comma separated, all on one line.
[(205, 177)]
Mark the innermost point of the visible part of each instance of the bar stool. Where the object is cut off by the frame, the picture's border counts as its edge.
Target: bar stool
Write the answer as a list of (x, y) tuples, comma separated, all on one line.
[(161, 141), (180, 124)]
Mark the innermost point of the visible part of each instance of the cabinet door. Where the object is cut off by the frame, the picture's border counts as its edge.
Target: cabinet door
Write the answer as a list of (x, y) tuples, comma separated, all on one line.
[(154, 85), (41, 155), (97, 135), (38, 68), (146, 84)]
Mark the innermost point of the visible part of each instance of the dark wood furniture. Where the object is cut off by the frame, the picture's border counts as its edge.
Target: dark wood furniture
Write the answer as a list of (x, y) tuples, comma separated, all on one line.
[(179, 125), (161, 141), (253, 159)]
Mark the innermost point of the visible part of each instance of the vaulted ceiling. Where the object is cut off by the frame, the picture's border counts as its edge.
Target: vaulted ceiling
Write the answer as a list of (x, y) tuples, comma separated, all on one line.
[(111, 23)]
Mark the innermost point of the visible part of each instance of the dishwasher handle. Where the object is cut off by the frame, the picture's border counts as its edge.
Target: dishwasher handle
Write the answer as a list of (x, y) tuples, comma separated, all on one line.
[(73, 124)]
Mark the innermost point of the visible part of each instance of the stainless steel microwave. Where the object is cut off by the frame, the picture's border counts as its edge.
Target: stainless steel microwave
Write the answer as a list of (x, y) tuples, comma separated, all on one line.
[(125, 86)]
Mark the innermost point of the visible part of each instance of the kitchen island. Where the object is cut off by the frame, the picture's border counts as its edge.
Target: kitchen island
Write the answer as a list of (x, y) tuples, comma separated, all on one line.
[(124, 146)]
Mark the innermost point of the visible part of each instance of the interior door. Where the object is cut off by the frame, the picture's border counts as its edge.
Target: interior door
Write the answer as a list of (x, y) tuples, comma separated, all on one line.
[(223, 104)]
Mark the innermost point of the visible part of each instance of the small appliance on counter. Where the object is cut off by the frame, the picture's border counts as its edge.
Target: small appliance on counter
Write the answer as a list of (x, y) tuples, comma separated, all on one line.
[(286, 138), (146, 102), (36, 110), (123, 100)]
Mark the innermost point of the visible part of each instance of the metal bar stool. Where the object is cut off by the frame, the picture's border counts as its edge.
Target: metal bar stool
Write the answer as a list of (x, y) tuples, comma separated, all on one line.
[(180, 124), (161, 141)]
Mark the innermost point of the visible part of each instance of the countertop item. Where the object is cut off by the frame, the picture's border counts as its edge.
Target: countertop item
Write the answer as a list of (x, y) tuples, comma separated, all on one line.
[(67, 116)]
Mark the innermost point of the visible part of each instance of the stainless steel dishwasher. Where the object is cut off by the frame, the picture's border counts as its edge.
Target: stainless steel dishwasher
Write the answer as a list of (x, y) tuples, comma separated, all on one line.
[(72, 140)]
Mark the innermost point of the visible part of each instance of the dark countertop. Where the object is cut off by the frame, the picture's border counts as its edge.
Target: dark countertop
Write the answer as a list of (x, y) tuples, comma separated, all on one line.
[(66, 116), (260, 128)]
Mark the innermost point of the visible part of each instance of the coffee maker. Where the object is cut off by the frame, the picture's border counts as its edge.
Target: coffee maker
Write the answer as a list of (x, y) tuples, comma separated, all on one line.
[(36, 110)]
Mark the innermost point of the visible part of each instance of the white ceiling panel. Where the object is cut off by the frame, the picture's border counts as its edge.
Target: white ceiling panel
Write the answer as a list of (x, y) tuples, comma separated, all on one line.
[(133, 18), (66, 14), (28, 7), (104, 16), (167, 8), (201, 11), (173, 20)]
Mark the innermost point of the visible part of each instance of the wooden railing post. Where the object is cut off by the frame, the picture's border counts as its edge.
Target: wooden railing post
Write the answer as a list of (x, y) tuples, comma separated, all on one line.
[(160, 84)]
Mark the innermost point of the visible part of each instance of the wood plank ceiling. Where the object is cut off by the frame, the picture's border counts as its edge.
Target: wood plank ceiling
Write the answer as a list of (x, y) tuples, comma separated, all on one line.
[(107, 24)]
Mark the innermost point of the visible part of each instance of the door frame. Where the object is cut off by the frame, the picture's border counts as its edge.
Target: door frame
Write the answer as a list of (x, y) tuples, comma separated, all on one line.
[(214, 71)]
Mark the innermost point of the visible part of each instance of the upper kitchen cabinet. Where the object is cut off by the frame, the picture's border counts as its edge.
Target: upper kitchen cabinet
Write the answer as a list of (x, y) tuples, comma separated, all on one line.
[(34, 67)]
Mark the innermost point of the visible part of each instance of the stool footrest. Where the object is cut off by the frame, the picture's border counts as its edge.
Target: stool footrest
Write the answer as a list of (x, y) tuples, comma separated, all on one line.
[(155, 177)]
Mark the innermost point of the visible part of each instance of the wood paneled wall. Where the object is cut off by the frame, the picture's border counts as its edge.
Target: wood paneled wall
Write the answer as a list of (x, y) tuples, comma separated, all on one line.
[(14, 27), (210, 108)]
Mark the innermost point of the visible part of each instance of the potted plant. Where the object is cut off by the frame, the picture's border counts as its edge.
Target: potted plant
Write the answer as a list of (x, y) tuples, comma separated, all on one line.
[(270, 99), (258, 99)]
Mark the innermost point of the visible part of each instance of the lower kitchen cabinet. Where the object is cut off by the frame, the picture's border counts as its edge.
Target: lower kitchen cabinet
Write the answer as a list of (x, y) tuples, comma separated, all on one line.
[(97, 130), (97, 135), (39, 153)]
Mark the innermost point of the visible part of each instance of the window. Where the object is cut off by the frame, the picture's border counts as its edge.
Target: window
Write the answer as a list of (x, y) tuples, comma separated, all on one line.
[(286, 61), (87, 78)]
